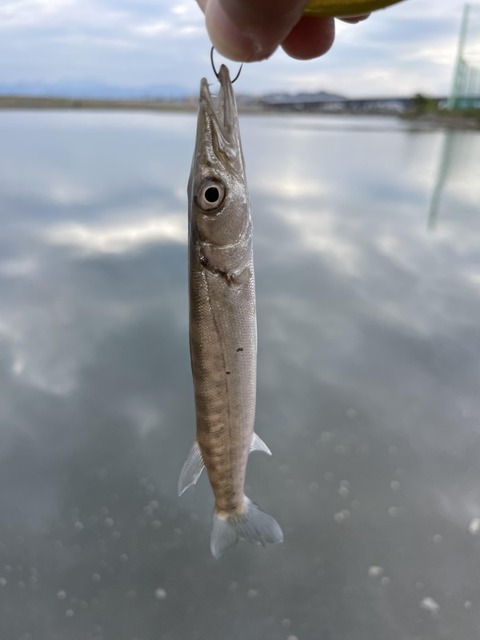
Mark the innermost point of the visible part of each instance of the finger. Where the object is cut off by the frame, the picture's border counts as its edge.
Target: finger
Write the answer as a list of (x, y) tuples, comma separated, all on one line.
[(248, 30), (310, 38)]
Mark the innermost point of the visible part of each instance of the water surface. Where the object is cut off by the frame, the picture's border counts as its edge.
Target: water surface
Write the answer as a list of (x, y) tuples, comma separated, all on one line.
[(367, 241)]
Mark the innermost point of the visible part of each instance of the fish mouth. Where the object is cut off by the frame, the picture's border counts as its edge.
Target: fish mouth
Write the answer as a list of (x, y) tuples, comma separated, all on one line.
[(223, 106), (218, 131)]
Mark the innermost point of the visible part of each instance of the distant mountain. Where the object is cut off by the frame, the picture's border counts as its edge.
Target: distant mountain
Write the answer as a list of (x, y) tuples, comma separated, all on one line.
[(93, 89), (78, 89)]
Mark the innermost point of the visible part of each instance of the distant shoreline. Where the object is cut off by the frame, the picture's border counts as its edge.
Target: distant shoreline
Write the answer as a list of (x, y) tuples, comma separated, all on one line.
[(33, 102), (433, 120)]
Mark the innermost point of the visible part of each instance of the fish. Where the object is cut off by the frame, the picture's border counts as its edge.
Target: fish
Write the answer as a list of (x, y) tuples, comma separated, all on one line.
[(223, 326)]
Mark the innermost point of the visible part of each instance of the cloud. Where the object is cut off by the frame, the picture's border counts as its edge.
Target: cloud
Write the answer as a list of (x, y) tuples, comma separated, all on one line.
[(25, 13), (153, 29), (408, 48)]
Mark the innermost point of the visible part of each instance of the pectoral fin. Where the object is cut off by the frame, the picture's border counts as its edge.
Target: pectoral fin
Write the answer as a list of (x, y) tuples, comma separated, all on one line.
[(240, 278), (191, 470)]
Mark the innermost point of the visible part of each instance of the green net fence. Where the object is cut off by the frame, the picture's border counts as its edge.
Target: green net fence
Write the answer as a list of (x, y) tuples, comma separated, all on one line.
[(465, 92)]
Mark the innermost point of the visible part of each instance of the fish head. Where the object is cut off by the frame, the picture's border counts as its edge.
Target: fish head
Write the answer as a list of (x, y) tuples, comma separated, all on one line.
[(219, 207)]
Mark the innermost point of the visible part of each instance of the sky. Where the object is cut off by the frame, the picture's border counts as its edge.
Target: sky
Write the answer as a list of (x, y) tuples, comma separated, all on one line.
[(405, 49)]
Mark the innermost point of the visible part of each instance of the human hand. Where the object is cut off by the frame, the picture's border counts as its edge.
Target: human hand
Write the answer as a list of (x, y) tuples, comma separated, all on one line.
[(250, 30)]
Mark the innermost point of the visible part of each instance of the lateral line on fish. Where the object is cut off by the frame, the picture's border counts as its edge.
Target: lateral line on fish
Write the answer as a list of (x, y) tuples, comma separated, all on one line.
[(228, 425)]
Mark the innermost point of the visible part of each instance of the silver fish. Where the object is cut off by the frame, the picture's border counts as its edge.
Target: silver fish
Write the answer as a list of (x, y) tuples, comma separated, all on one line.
[(223, 331)]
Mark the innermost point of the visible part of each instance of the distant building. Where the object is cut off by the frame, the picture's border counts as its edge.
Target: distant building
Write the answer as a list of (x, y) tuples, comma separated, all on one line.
[(338, 104)]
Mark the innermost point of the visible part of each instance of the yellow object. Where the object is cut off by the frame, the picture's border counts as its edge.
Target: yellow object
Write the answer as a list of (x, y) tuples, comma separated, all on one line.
[(344, 8)]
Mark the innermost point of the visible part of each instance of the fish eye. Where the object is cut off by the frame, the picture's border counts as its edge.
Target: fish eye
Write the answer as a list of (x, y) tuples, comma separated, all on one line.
[(210, 195)]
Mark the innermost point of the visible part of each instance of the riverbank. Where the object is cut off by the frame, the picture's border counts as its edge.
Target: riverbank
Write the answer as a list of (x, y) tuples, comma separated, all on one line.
[(437, 119), (34, 102), (447, 120)]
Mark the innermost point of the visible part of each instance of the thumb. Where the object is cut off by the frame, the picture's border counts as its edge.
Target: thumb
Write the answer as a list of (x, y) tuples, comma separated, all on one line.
[(248, 30)]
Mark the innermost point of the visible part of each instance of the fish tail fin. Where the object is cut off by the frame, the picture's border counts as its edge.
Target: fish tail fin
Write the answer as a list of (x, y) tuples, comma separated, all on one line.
[(252, 524)]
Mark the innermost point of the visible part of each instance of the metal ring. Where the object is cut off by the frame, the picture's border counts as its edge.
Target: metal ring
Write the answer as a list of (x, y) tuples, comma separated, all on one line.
[(215, 70)]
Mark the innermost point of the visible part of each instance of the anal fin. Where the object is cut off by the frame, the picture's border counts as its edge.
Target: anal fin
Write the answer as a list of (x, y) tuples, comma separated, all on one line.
[(191, 469)]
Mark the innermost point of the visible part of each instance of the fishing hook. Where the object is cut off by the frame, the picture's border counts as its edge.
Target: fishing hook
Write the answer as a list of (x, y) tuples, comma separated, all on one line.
[(215, 70)]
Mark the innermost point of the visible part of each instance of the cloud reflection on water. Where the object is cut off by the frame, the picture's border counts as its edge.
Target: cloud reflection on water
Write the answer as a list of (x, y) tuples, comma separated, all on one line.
[(119, 237), (368, 373)]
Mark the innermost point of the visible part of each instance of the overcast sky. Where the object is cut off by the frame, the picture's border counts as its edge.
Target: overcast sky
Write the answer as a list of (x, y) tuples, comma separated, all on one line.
[(405, 49)]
